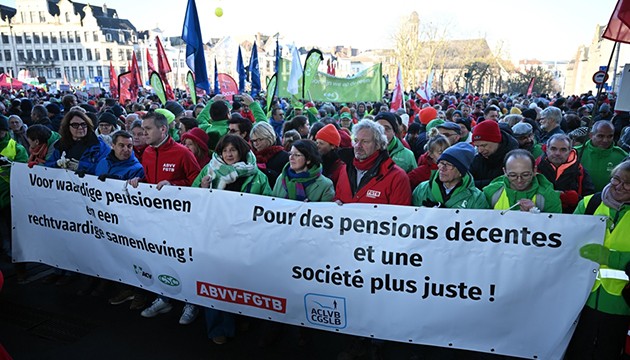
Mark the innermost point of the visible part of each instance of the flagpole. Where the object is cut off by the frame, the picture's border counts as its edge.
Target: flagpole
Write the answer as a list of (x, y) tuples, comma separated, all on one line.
[(600, 87)]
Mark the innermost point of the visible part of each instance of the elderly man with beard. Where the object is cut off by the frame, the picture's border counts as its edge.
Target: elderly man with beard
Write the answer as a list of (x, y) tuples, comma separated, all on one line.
[(550, 119), (561, 166), (524, 134)]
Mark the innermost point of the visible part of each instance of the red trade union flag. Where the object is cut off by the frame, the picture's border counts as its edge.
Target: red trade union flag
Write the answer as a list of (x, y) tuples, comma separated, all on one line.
[(113, 81), (150, 64), (618, 28), (397, 95), (136, 70), (164, 68)]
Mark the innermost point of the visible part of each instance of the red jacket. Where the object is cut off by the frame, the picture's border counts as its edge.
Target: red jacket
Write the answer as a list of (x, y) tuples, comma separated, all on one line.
[(386, 184), (423, 171), (170, 161)]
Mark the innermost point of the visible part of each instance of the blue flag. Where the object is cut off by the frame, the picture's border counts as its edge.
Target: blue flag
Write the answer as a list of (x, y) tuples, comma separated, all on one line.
[(217, 88), (191, 34), (254, 71), (240, 69)]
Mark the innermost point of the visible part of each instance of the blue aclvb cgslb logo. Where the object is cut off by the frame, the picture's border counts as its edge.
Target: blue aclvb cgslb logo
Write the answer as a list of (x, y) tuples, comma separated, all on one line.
[(325, 310)]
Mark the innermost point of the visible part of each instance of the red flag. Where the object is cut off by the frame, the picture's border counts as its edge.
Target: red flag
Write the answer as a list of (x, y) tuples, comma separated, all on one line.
[(530, 88), (397, 95), (136, 70), (618, 28), (150, 64), (113, 81), (228, 85), (164, 68), (329, 70), (127, 87)]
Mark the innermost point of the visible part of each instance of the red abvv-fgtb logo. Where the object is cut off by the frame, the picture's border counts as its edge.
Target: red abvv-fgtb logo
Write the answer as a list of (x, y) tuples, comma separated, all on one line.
[(244, 297)]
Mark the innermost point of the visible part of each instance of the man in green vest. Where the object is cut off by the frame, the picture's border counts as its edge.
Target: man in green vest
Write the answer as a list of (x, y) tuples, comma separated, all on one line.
[(599, 155), (521, 187)]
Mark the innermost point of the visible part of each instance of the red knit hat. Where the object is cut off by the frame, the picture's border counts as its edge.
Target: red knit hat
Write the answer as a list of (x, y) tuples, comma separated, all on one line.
[(427, 114), (329, 134), (199, 137), (487, 130)]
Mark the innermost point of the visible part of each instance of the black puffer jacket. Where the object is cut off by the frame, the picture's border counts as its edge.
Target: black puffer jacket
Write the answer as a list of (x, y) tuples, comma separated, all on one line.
[(485, 170)]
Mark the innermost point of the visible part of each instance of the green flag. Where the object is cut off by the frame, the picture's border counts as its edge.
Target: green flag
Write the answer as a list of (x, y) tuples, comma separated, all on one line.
[(158, 87), (364, 86), (271, 90), (313, 58), (190, 81)]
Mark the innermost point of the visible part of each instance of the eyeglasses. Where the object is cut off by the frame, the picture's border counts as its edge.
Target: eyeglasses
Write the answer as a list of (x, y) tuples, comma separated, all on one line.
[(232, 131), (524, 176), (445, 165), (254, 141), (615, 181), (78, 125), (294, 155)]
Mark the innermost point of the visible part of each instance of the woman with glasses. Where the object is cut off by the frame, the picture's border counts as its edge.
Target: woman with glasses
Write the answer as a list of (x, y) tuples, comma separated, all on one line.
[(521, 187), (302, 179), (79, 149), (603, 325), (271, 158)]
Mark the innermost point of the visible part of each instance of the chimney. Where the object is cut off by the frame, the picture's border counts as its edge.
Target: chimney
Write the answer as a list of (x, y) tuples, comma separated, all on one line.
[(104, 9)]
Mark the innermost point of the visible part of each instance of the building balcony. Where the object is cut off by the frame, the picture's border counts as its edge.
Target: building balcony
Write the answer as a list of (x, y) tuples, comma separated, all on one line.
[(36, 62)]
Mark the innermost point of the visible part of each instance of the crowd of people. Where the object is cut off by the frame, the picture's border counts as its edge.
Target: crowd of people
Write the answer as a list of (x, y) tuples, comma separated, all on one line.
[(549, 154)]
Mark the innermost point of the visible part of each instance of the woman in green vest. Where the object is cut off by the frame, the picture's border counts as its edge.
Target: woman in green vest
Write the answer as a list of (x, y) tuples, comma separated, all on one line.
[(601, 331), (521, 187)]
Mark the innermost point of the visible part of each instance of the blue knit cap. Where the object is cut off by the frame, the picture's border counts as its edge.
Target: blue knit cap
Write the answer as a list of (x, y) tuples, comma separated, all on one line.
[(460, 155)]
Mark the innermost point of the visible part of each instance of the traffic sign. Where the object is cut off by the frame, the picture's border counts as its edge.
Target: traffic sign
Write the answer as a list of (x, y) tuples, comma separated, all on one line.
[(98, 79), (600, 77)]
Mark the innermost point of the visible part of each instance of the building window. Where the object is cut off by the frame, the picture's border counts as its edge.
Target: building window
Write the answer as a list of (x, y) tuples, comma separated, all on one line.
[(67, 17), (122, 69), (99, 71), (81, 72), (77, 37), (95, 36), (128, 54), (97, 54), (47, 54), (45, 39), (73, 55), (36, 38), (121, 54), (108, 37), (42, 17), (7, 55), (40, 72), (108, 53), (38, 55), (88, 54), (4, 38), (74, 73), (70, 37), (91, 72), (86, 36), (58, 73), (53, 38), (64, 54), (49, 73), (20, 55), (18, 39), (28, 39), (62, 37), (29, 55), (66, 72), (55, 55), (79, 54)]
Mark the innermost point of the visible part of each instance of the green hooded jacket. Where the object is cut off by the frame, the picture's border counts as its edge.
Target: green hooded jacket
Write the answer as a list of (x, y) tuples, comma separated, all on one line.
[(217, 128), (600, 162), (464, 196), (402, 156), (20, 156), (547, 199)]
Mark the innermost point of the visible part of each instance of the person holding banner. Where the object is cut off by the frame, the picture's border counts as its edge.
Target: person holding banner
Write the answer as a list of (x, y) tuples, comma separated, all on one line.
[(522, 187), (371, 176), (233, 168), (604, 320), (451, 186)]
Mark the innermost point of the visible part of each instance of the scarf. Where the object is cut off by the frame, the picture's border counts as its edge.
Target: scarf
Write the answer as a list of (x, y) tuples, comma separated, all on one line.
[(263, 156), (38, 154), (393, 145), (295, 184), (366, 164), (223, 174), (608, 200)]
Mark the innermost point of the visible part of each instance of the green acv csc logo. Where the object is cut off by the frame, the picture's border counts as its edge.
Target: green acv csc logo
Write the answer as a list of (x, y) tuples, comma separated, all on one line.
[(168, 280)]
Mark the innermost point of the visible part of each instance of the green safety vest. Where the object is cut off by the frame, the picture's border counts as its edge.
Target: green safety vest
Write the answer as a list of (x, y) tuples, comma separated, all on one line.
[(9, 152), (612, 280), (504, 203)]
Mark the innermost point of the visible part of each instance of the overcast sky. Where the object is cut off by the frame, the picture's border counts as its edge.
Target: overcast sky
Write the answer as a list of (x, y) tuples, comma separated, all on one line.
[(541, 29)]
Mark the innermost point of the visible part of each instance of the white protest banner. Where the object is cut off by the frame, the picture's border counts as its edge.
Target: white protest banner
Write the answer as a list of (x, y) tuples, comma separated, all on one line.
[(510, 283)]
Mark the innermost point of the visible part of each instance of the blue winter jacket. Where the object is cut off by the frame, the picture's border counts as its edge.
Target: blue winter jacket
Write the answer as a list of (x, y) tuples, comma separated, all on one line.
[(121, 170)]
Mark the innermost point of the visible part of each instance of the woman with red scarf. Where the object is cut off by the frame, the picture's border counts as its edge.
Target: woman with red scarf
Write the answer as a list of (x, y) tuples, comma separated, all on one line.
[(270, 157)]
